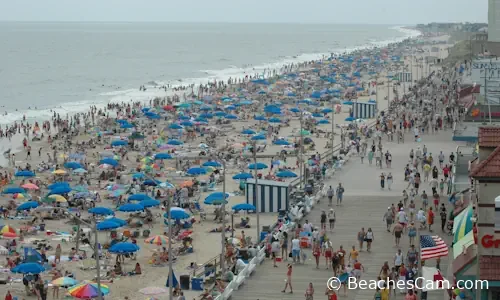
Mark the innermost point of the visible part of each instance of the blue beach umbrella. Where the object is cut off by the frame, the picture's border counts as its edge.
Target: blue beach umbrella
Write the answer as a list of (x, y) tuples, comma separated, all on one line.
[(243, 206), (258, 137), (184, 118), (116, 220), (73, 165), (150, 203), (219, 114), (175, 126), (107, 225), (150, 182), (187, 123), (286, 174), (28, 268), (231, 117), (201, 120), (196, 171), (177, 213), (206, 116), (205, 108), (175, 142), (248, 131), (294, 110), (163, 156), (262, 92), (274, 120), (259, 118), (138, 197), (24, 173), (317, 115), (131, 207), (258, 166), (212, 163), (350, 119), (154, 116), (58, 184), (138, 175), (242, 176), (216, 196), (60, 190), (347, 103), (27, 206), (324, 121), (326, 110), (126, 126), (124, 247), (102, 211), (109, 161), (281, 142)]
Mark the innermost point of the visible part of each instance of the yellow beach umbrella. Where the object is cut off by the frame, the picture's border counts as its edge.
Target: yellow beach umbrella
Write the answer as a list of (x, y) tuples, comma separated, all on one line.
[(59, 172), (58, 198)]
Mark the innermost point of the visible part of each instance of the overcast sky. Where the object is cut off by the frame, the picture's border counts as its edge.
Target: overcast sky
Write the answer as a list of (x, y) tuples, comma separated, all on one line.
[(284, 11)]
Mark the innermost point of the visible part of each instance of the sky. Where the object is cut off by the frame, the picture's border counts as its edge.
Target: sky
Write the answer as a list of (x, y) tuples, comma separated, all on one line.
[(398, 12)]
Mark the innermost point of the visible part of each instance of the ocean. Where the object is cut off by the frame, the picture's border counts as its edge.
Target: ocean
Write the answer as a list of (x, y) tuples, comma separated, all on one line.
[(66, 67)]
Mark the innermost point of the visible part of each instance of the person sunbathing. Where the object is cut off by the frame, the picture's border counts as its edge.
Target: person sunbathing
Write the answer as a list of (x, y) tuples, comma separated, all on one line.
[(245, 223), (137, 270), (219, 229)]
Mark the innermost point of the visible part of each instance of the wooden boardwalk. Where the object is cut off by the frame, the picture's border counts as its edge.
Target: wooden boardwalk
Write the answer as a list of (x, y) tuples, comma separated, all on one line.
[(364, 206)]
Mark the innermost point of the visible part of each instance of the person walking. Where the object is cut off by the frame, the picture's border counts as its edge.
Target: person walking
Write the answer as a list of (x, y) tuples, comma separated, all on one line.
[(369, 239), (370, 157), (397, 231), (388, 218), (309, 292), (430, 218), (288, 282), (284, 246), (330, 193), (275, 250), (331, 218), (316, 252), (389, 181), (361, 238), (412, 232), (382, 180), (323, 220), (296, 249), (327, 251), (443, 216), (340, 194)]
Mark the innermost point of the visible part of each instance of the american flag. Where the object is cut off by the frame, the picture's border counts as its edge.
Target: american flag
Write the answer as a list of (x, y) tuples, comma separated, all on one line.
[(432, 247)]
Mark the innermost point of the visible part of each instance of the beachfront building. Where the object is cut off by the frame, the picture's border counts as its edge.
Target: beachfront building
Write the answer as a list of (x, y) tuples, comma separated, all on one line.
[(485, 171)]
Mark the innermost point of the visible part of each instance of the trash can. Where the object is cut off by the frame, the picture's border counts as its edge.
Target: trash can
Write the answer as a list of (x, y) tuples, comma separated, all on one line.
[(184, 282), (42, 227), (197, 284)]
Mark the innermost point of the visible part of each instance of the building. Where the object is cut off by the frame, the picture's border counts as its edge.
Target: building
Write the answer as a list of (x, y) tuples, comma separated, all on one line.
[(494, 20), (485, 172)]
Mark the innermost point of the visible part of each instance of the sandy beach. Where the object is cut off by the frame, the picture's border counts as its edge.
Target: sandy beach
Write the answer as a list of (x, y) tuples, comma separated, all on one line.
[(151, 132)]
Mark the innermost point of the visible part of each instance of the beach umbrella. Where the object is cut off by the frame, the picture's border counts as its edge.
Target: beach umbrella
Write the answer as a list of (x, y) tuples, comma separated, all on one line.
[(206, 116), (244, 206), (294, 110), (219, 114), (347, 103), (212, 164), (109, 161), (64, 282), (231, 117), (205, 108), (184, 118), (18, 196), (57, 184), (242, 176), (88, 290), (286, 174), (230, 107), (107, 225), (350, 119), (138, 175), (184, 105), (58, 198), (24, 173), (258, 137), (120, 121), (317, 115), (281, 142), (123, 248), (246, 102), (248, 131), (7, 229), (216, 196), (259, 118), (158, 240), (163, 156), (131, 207), (27, 206), (187, 123), (118, 143), (14, 190), (153, 116), (201, 120), (138, 197), (150, 203), (274, 120), (99, 210), (152, 290), (73, 165), (175, 126), (174, 142), (28, 268), (126, 126), (257, 166), (150, 182), (196, 171), (79, 171), (167, 185), (136, 136), (115, 220), (177, 213), (59, 172), (324, 121), (262, 92), (326, 110), (60, 190), (30, 186)]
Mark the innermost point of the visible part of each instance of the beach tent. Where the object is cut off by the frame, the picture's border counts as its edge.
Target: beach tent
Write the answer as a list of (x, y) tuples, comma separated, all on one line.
[(175, 283), (31, 255)]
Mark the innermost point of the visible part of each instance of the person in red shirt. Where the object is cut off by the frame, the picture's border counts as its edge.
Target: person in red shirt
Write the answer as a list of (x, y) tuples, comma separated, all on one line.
[(430, 218), (8, 296)]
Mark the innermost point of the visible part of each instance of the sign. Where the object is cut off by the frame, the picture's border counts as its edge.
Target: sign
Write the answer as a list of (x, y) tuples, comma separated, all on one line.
[(488, 241), (485, 68), (403, 77)]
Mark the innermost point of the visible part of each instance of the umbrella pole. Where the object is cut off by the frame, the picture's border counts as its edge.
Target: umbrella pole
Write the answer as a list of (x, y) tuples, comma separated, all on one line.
[(257, 208), (97, 261), (170, 256), (223, 213)]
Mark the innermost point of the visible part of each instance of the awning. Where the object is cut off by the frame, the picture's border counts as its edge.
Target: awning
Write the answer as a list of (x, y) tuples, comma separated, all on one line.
[(463, 235)]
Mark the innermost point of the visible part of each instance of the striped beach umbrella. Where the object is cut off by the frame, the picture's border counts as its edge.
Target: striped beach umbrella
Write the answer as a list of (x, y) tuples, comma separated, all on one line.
[(87, 290), (158, 240)]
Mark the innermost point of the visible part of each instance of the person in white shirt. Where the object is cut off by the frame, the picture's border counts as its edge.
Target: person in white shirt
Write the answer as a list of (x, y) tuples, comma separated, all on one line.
[(275, 249), (307, 226), (296, 249)]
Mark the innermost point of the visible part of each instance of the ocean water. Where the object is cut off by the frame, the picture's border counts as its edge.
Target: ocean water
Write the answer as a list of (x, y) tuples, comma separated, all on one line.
[(67, 67)]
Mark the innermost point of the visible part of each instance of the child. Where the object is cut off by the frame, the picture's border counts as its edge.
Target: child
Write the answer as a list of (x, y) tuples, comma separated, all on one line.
[(441, 187)]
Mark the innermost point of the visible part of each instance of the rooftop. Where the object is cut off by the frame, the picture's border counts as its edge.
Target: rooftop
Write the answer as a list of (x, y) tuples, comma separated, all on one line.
[(489, 137), (488, 168)]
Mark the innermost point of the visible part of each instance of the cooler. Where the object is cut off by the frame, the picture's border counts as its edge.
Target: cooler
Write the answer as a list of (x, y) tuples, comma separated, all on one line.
[(197, 284)]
